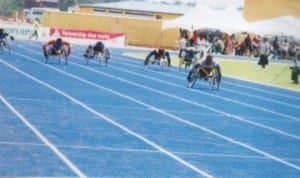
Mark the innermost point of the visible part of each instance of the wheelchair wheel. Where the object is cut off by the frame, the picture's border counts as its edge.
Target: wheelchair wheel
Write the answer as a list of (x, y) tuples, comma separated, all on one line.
[(106, 57), (88, 55), (7, 46), (60, 54), (49, 53), (215, 81), (2, 46), (66, 58), (58, 58), (163, 64), (64, 55), (193, 79), (99, 57), (146, 63)]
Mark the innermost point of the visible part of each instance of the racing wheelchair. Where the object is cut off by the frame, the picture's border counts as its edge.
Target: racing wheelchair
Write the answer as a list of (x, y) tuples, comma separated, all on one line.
[(161, 61), (210, 75), (100, 55), (188, 57), (160, 57), (58, 54), (5, 44)]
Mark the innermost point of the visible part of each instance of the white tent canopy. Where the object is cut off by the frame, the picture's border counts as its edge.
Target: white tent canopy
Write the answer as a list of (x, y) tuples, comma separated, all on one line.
[(286, 25), (230, 20)]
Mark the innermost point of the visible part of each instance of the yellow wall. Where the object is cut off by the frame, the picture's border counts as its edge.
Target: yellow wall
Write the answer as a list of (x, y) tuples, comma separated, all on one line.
[(147, 32), (139, 32), (262, 9), (167, 16), (87, 10)]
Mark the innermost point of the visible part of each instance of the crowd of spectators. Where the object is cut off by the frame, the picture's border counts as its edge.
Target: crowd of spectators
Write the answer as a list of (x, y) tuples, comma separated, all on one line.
[(249, 45)]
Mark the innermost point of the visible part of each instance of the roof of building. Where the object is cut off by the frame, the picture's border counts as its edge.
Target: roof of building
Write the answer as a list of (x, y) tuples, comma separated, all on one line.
[(142, 6)]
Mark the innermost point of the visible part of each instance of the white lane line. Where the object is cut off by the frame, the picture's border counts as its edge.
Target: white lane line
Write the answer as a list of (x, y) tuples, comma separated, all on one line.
[(267, 85), (216, 96), (212, 95), (43, 138), (223, 88), (164, 113), (244, 86), (102, 116), (183, 99), (98, 148), (204, 106)]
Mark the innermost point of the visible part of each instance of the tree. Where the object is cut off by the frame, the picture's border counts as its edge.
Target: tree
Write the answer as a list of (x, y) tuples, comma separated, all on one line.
[(8, 7), (64, 4)]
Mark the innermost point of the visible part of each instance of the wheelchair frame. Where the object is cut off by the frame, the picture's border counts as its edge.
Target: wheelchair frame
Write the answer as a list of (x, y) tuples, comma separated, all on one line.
[(212, 77), (61, 52), (4, 43), (187, 62), (98, 54), (162, 62)]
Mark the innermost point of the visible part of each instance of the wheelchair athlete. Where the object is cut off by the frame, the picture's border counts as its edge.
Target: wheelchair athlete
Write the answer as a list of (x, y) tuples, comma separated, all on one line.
[(158, 54), (190, 54), (3, 37), (98, 48), (208, 65), (56, 47)]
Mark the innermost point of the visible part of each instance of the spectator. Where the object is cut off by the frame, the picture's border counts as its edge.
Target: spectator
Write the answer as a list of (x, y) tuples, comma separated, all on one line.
[(203, 46), (182, 44), (275, 48), (230, 45), (194, 39), (264, 51), (284, 49), (292, 50), (248, 45), (36, 25), (255, 44)]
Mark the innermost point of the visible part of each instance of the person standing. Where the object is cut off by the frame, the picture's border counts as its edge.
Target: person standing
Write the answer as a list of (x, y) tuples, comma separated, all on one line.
[(36, 25), (248, 45), (264, 51)]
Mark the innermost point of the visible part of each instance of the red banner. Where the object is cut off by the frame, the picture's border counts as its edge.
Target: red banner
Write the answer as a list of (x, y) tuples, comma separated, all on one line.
[(83, 34)]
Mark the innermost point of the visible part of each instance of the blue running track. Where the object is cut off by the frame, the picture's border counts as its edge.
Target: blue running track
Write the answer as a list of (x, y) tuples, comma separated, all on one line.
[(122, 120)]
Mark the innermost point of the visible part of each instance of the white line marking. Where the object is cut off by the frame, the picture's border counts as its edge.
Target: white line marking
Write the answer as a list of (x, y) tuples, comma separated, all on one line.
[(227, 99), (226, 89), (161, 149), (43, 138), (212, 95), (215, 96), (268, 85), (242, 79), (97, 148), (156, 110), (185, 100)]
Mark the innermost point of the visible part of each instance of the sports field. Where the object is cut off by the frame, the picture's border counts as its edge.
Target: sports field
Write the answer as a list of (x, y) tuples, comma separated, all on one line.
[(122, 120)]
